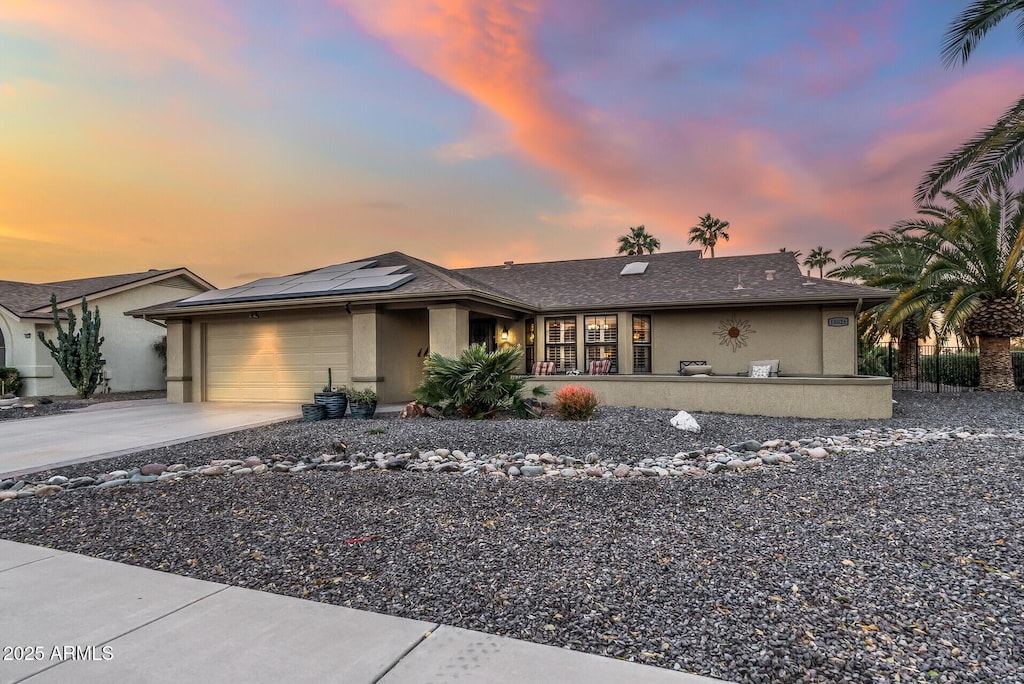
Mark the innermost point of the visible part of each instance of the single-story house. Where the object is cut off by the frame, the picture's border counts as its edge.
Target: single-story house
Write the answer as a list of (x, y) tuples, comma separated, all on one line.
[(374, 321), (131, 362)]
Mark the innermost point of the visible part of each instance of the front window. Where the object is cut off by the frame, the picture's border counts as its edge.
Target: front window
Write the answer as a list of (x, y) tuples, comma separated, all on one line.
[(642, 344), (560, 342), (602, 337), (531, 343)]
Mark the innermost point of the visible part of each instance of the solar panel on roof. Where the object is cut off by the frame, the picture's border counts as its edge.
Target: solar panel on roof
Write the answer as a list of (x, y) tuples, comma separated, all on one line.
[(634, 268), (358, 276), (387, 282)]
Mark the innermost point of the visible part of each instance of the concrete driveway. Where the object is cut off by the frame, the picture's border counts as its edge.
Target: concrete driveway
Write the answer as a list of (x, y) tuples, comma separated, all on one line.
[(117, 428)]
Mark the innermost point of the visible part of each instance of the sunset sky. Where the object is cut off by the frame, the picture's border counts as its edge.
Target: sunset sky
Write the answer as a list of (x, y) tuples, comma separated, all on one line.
[(243, 139)]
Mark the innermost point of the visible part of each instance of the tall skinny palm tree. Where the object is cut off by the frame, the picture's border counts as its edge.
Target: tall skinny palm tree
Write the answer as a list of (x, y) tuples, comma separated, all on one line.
[(994, 155), (638, 241), (708, 232), (976, 269), (819, 258)]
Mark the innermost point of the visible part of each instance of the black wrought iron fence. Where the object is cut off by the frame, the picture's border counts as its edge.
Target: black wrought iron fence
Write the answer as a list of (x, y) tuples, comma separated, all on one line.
[(931, 368)]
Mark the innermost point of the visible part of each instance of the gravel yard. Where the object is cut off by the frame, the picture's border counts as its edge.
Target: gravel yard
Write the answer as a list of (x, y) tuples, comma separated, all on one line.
[(69, 403), (859, 567)]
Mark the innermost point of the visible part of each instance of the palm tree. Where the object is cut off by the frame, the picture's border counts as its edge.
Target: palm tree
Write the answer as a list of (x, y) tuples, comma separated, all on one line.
[(993, 156), (819, 258), (638, 241), (894, 260), (708, 232), (976, 269), (796, 252)]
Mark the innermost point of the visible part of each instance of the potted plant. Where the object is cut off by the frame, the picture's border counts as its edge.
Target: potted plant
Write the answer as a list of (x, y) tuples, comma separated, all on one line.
[(7, 399), (332, 398), (364, 403)]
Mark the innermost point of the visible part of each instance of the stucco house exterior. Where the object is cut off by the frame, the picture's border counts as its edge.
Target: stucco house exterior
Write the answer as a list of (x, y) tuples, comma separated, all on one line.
[(374, 321), (131, 362)]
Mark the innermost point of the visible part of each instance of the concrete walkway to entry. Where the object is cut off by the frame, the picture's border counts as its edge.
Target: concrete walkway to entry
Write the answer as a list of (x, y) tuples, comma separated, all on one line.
[(73, 618), (115, 428)]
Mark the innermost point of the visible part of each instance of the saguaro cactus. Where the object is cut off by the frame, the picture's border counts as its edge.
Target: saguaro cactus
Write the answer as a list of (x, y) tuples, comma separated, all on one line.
[(77, 353)]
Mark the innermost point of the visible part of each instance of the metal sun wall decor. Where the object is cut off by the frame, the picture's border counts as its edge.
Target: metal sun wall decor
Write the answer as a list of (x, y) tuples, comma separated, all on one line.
[(734, 332)]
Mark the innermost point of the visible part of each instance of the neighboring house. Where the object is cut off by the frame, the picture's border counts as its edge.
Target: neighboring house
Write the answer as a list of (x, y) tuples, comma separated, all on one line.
[(374, 321), (131, 362)]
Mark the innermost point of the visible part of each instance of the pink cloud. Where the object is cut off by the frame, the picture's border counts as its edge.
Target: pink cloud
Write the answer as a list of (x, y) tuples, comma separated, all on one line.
[(145, 34)]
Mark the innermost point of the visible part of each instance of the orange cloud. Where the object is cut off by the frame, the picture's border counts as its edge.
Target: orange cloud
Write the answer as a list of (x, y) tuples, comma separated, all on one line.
[(775, 191), (143, 35)]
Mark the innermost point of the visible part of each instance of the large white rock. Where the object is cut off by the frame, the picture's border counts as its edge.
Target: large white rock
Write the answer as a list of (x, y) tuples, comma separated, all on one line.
[(684, 421)]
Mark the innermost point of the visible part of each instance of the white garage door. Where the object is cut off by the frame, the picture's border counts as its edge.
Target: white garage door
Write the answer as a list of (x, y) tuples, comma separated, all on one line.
[(277, 357)]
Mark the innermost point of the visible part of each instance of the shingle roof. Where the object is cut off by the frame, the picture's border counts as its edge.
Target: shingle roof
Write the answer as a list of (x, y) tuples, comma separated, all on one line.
[(24, 298), (671, 278)]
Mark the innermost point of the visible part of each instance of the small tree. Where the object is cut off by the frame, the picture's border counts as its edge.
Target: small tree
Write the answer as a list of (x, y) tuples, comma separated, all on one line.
[(77, 353)]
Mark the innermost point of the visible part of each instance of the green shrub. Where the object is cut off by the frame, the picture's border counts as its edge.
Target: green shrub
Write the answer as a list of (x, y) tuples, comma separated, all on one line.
[(960, 369), (477, 384), (160, 347), (362, 396), (11, 380), (575, 403), (874, 361)]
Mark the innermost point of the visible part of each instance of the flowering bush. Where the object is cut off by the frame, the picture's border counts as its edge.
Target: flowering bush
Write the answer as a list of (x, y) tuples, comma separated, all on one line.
[(575, 403)]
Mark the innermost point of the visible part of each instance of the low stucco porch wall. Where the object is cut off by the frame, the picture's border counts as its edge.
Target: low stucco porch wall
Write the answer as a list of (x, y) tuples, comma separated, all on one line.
[(801, 397)]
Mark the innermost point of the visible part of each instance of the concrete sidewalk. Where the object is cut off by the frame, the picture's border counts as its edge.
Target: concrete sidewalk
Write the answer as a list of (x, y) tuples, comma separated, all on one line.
[(82, 619), (109, 429)]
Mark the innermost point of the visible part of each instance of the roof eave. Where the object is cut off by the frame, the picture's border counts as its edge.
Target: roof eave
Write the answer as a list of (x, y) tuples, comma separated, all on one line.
[(106, 292), (316, 302)]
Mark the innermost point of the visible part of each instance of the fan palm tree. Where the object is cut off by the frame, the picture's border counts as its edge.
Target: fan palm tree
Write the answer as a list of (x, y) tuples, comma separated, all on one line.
[(894, 260), (819, 258), (638, 241), (976, 270), (993, 156), (708, 232)]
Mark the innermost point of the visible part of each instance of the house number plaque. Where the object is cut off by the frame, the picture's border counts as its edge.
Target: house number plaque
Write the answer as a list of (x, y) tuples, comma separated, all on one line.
[(839, 322)]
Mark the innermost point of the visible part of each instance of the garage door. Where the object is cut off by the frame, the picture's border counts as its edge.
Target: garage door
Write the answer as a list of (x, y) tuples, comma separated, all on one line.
[(277, 357)]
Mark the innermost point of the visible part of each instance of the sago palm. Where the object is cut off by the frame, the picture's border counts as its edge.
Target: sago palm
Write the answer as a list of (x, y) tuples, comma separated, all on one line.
[(638, 241), (994, 155), (976, 271), (708, 231), (476, 384)]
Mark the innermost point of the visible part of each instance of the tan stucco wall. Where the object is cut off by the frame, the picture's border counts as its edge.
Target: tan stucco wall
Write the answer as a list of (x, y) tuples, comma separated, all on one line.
[(132, 365), (402, 341), (179, 361), (839, 342), (366, 351), (449, 329), (798, 336), (847, 398), (791, 335)]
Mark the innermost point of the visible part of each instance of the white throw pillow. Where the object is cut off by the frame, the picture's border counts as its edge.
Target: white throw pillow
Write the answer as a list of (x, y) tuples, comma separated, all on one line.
[(761, 372)]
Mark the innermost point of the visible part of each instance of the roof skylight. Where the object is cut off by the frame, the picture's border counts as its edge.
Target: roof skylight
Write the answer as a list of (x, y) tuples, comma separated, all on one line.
[(634, 268)]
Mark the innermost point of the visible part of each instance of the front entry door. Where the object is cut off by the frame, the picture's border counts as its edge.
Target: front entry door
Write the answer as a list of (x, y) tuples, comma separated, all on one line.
[(481, 331)]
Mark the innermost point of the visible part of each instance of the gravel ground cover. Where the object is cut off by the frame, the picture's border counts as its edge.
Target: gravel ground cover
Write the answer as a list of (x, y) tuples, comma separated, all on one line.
[(899, 565), (62, 404)]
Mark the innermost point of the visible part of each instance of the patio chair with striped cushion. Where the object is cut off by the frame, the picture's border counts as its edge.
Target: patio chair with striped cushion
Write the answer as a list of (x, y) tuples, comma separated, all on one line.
[(544, 368), (600, 367)]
